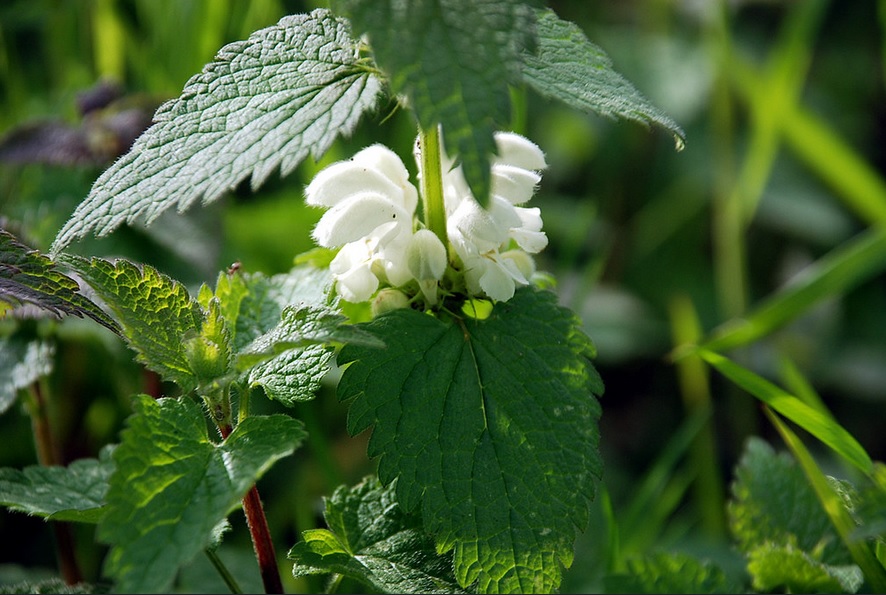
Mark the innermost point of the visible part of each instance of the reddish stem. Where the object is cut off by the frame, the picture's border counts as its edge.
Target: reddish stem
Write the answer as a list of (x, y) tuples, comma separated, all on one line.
[(261, 534)]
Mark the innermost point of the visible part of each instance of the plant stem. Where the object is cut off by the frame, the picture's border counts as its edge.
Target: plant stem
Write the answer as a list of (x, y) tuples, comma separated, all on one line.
[(260, 533), (432, 183), (47, 455), (223, 571)]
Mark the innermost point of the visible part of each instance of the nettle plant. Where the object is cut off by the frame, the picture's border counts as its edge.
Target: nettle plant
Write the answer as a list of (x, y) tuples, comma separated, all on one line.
[(478, 387)]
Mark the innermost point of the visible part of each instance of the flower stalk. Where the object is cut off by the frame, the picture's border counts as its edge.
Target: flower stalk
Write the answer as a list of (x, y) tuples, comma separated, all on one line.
[(432, 183)]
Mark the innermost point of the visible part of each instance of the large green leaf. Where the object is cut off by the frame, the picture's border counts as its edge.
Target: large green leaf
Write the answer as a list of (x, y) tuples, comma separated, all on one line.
[(72, 493), (453, 60), (155, 312), (28, 277), (671, 572), (21, 363), (569, 68), (263, 104), (491, 427), (172, 486), (372, 540)]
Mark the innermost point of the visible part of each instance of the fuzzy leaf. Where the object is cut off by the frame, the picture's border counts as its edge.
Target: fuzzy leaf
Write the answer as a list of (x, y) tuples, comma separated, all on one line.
[(773, 503), (262, 104), (28, 277), (156, 313), (21, 363), (372, 540), (491, 427), (569, 68), (172, 486), (294, 375), (50, 585), (72, 493), (671, 572), (786, 568), (453, 60)]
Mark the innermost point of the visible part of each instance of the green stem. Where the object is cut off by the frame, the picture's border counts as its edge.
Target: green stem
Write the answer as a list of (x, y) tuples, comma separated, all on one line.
[(432, 183), (223, 571)]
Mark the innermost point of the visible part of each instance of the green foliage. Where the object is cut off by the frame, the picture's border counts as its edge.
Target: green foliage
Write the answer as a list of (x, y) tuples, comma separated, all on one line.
[(775, 512), (669, 573), (182, 486), (488, 425), (21, 363), (28, 277), (371, 539), (569, 68), (263, 104), (156, 314), (72, 493), (49, 586)]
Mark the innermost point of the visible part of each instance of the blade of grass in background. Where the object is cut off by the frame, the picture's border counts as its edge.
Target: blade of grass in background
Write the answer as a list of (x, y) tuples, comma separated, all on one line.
[(833, 504), (813, 421), (843, 268)]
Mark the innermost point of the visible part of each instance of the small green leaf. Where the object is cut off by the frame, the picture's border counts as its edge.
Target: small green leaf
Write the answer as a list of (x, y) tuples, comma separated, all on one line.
[(209, 353), (294, 375), (453, 60), (491, 426), (21, 364), (671, 572), (172, 486), (28, 277), (263, 104), (785, 568), (819, 424), (72, 493), (372, 540), (773, 503), (569, 68), (156, 313)]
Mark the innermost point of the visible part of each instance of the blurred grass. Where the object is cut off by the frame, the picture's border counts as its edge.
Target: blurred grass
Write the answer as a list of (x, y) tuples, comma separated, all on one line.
[(784, 107)]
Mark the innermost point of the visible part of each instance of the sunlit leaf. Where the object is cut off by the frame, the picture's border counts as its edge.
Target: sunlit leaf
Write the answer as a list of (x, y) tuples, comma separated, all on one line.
[(490, 426)]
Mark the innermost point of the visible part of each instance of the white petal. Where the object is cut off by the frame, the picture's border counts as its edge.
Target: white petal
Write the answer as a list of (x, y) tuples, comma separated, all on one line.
[(391, 166), (514, 184), (426, 256), (357, 285), (517, 150), (523, 262), (497, 283), (356, 218)]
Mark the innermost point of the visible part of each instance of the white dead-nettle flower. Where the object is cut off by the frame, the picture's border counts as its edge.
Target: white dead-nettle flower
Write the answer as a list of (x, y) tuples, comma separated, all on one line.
[(371, 216)]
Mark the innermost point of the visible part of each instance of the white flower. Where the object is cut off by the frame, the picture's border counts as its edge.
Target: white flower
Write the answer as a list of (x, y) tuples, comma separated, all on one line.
[(426, 258)]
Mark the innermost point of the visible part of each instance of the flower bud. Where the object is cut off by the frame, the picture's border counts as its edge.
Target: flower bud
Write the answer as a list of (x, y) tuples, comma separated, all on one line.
[(387, 300)]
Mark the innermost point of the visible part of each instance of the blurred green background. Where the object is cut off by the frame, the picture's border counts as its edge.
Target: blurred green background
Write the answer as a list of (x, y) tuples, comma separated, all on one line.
[(784, 110)]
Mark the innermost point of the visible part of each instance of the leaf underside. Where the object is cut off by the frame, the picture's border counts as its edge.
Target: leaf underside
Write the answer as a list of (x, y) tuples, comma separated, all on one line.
[(263, 104), (491, 427)]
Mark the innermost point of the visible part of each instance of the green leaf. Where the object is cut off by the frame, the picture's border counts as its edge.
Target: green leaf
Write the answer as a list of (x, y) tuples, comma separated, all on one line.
[(371, 539), (785, 568), (172, 486), (156, 313), (819, 424), (28, 277), (569, 68), (72, 493), (834, 499), (670, 572), (491, 426), (294, 375), (262, 104), (773, 503), (21, 364), (209, 354), (453, 60), (52, 585), (848, 265)]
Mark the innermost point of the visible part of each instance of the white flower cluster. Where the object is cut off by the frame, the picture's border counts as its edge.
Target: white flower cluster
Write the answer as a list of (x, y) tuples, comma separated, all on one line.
[(371, 216)]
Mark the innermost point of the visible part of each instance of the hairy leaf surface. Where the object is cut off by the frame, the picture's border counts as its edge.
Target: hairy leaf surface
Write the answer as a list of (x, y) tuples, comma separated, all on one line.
[(156, 313), (72, 493), (172, 486), (21, 363), (453, 60), (263, 104), (371, 539), (567, 67), (28, 277), (491, 427)]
